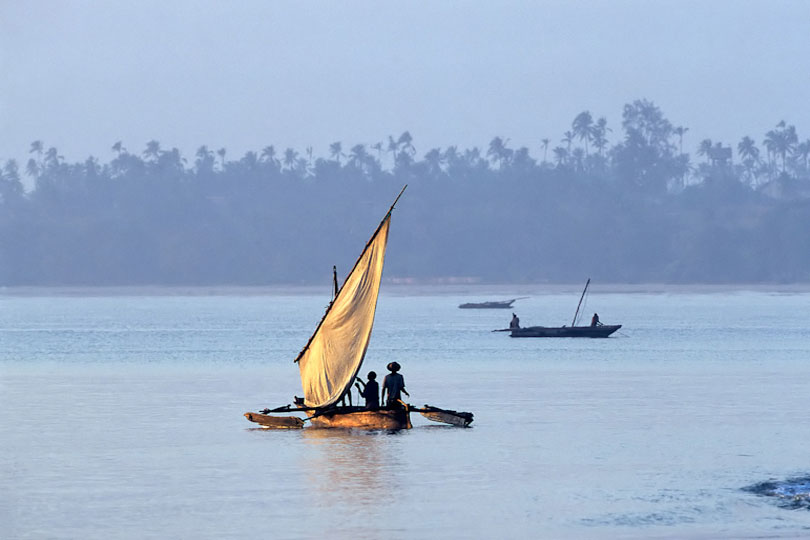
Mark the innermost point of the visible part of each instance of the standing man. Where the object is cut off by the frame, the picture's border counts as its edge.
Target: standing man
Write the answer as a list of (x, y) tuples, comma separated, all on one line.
[(394, 385)]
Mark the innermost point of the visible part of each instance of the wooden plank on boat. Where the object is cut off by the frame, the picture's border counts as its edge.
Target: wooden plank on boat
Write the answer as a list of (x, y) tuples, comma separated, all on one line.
[(275, 422)]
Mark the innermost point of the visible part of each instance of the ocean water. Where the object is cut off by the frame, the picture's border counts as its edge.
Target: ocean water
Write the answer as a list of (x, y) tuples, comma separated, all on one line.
[(121, 418)]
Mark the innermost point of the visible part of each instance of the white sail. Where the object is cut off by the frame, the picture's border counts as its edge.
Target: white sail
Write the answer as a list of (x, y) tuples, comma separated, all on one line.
[(330, 361)]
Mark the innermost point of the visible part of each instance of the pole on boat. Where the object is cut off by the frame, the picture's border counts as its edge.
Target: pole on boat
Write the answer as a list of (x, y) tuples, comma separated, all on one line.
[(576, 314), (397, 199)]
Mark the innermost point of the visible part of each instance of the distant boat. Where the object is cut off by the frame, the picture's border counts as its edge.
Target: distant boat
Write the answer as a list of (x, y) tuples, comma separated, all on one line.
[(495, 304), (332, 357), (596, 330), (599, 331)]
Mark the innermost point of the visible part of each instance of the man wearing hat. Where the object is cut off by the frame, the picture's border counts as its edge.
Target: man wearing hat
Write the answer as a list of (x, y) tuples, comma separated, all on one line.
[(394, 384)]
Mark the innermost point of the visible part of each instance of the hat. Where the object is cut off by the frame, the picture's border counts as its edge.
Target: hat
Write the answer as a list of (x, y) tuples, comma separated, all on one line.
[(394, 366)]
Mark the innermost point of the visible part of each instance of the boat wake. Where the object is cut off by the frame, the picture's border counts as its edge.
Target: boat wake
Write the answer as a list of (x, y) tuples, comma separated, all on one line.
[(793, 493)]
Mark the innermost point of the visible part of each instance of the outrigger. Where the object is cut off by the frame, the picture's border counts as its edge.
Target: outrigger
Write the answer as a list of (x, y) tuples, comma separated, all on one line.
[(331, 359)]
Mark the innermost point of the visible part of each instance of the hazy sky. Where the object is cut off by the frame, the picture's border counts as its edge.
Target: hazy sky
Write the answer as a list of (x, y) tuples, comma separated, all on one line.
[(82, 75)]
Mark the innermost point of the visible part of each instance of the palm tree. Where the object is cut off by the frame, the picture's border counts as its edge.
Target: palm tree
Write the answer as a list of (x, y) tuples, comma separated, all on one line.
[(291, 156), (705, 149), (10, 185), (405, 142), (498, 151), (335, 150), (749, 155), (358, 155), (599, 134), (747, 149), (781, 142), (560, 155), (568, 138), (152, 150), (221, 154), (269, 155), (545, 143), (249, 161), (582, 126), (37, 147), (434, 160), (52, 158), (205, 159), (32, 168), (118, 148)]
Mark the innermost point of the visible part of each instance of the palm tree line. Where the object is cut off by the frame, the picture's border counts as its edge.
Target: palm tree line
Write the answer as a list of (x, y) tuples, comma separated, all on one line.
[(649, 141)]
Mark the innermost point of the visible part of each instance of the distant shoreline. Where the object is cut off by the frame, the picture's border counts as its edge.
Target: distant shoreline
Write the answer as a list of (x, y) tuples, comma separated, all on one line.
[(485, 291)]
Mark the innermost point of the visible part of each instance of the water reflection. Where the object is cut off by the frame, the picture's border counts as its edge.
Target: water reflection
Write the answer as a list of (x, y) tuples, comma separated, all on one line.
[(344, 463)]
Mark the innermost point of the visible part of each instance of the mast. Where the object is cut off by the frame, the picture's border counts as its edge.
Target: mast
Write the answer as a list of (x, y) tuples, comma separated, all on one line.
[(574, 323)]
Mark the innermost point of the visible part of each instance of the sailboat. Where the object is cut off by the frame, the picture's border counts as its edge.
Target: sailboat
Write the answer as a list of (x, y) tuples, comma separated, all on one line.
[(331, 359), (595, 330)]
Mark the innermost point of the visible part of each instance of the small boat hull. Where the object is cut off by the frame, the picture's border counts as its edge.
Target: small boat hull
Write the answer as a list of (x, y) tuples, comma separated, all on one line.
[(363, 419), (487, 305), (342, 417), (602, 331)]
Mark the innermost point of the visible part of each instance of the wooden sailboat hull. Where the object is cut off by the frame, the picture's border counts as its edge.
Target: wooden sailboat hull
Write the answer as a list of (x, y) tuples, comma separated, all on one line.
[(602, 331), (379, 419)]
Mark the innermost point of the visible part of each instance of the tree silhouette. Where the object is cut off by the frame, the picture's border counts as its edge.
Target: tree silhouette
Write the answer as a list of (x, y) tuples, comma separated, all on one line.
[(545, 143), (599, 134), (147, 218), (152, 151), (582, 127), (336, 151), (498, 151), (291, 156)]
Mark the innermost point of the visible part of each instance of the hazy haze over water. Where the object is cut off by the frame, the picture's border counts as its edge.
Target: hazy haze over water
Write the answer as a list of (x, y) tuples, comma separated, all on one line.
[(81, 76)]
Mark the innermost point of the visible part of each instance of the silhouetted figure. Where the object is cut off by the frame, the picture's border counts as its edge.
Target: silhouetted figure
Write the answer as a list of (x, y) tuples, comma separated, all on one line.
[(394, 385), (595, 320), (370, 391), (515, 322)]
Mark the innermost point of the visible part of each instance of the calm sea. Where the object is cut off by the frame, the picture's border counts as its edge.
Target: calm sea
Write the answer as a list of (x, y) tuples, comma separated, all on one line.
[(121, 418)]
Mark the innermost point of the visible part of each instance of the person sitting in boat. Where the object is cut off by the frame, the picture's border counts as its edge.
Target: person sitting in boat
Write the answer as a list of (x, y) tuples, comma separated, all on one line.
[(370, 390), (394, 385), (595, 320), (515, 322)]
